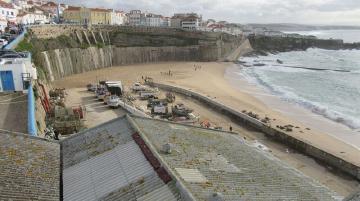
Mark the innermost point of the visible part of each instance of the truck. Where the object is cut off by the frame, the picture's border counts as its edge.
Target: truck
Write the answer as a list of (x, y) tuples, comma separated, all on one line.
[(113, 88)]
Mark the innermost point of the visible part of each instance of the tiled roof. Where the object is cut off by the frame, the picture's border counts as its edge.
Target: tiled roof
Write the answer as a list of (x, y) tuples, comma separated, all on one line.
[(6, 5), (223, 163), (29, 168), (73, 8), (100, 10), (50, 4)]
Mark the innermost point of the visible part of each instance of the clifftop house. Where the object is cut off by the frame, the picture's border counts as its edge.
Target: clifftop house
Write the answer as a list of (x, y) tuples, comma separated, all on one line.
[(92, 16), (189, 21)]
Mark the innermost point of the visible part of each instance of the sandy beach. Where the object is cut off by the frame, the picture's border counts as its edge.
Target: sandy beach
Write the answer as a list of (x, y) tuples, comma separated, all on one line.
[(212, 79)]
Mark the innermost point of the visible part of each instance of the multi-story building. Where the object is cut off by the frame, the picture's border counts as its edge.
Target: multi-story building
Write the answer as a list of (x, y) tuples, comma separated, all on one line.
[(27, 18), (135, 17), (72, 15), (165, 21), (190, 21), (152, 20), (22, 4), (8, 14), (100, 16), (119, 18), (50, 7), (94, 16)]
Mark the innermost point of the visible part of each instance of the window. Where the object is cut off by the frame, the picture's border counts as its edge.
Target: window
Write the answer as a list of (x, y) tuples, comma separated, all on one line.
[(12, 13)]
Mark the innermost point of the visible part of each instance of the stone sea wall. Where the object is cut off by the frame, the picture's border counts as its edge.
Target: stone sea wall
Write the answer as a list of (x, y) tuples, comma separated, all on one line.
[(302, 146)]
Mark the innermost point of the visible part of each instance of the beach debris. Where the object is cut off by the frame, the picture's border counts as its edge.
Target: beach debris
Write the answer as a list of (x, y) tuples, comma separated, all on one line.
[(259, 64), (308, 129), (170, 97), (287, 128), (167, 148), (244, 111), (91, 87), (205, 124), (279, 61), (265, 120), (253, 115), (181, 110)]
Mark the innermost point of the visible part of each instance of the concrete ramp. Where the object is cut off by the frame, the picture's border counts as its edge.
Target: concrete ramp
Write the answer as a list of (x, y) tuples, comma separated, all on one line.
[(13, 112), (243, 49)]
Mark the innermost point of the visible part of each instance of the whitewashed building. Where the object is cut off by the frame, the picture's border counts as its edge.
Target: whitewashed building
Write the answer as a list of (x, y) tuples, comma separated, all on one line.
[(134, 17), (30, 18), (165, 21), (16, 73), (189, 21), (119, 18), (152, 20), (8, 12)]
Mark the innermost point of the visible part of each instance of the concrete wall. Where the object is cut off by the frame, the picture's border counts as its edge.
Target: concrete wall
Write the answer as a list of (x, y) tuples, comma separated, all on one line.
[(297, 144), (64, 62)]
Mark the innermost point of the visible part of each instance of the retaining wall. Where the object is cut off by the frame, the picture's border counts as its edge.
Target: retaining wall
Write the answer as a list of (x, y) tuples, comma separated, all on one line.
[(302, 146)]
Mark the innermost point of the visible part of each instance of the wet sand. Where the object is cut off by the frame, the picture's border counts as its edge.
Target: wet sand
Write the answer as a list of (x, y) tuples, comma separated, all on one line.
[(209, 79)]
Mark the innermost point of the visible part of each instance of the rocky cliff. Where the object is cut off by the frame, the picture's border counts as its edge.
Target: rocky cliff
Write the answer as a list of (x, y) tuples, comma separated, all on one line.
[(284, 44), (65, 50)]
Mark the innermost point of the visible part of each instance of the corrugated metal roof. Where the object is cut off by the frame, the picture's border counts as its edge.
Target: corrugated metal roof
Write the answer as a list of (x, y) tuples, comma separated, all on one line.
[(98, 140), (230, 166), (118, 171), (191, 175)]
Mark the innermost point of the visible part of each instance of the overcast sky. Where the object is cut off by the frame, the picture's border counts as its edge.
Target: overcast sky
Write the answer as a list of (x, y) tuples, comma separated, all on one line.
[(337, 12)]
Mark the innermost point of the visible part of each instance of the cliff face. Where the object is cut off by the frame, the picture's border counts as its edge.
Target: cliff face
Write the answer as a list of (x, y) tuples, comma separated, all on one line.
[(64, 62), (283, 44), (67, 50)]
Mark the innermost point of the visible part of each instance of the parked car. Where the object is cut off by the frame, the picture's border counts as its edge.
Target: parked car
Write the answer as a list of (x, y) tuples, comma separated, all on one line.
[(113, 101), (3, 42), (2, 52), (11, 55)]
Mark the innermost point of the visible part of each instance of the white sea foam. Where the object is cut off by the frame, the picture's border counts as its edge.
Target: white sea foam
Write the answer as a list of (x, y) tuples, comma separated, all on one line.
[(332, 94)]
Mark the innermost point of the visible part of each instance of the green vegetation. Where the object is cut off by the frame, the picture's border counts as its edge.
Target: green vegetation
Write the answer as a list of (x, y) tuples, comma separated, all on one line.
[(100, 45), (24, 46)]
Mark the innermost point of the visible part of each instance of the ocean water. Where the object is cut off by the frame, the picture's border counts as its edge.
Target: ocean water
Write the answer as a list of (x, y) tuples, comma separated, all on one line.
[(326, 82), (348, 36)]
